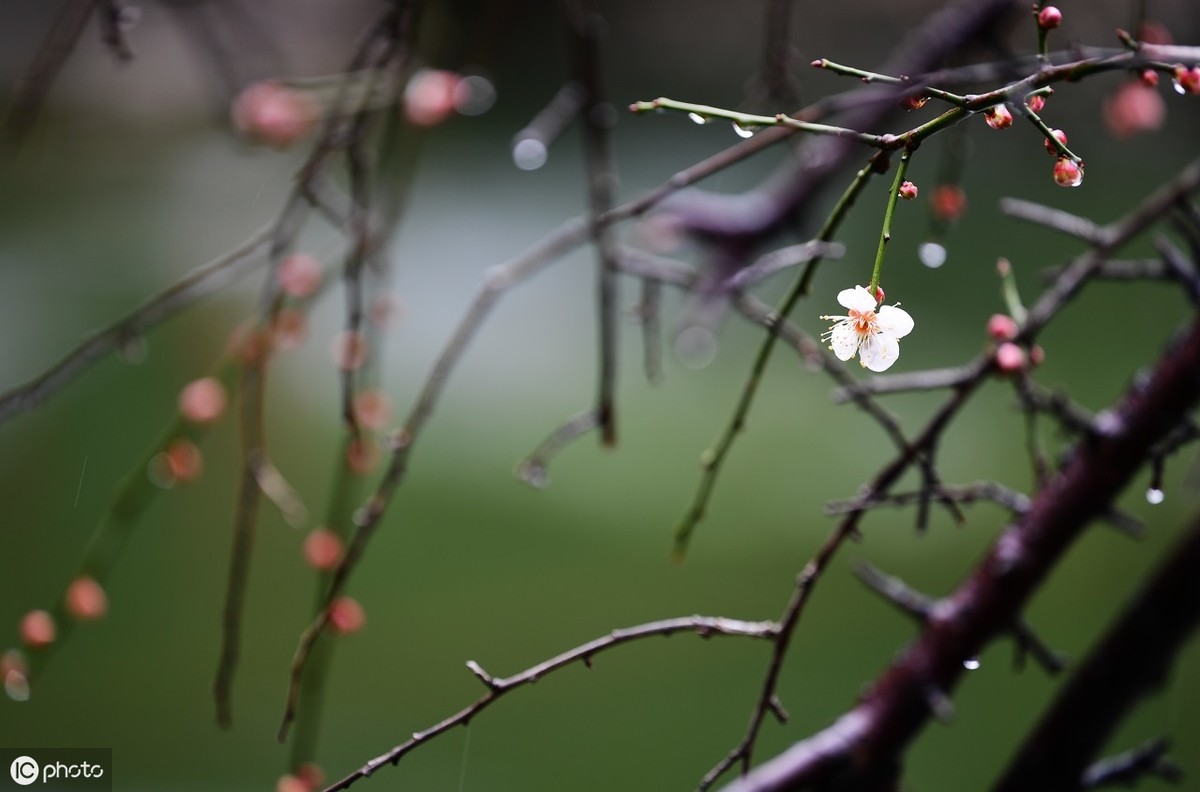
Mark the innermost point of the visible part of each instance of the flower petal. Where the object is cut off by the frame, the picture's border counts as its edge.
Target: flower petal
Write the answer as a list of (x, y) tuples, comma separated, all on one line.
[(857, 299), (843, 340), (879, 351), (894, 322)]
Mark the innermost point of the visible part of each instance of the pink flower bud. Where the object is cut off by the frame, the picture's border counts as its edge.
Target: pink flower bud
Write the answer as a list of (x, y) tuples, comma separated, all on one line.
[(1049, 18), (346, 616), (38, 629), (1010, 357), (85, 599), (386, 309), (322, 549), (1035, 102), (248, 343), (349, 350), (1187, 79), (998, 117), (290, 329), (1037, 355), (908, 191), (291, 783), (183, 460), (1132, 109), (949, 202), (1067, 172), (1002, 328), (363, 455), (429, 97), (311, 774), (273, 114), (202, 401), (373, 409), (299, 275), (880, 294), (1060, 136), (1148, 78)]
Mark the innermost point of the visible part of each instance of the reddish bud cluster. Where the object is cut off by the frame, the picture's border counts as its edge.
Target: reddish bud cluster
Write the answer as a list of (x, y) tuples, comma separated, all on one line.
[(998, 117), (908, 191), (1134, 108), (1049, 18), (299, 275), (346, 616), (1067, 172), (431, 96), (1035, 102), (1060, 136), (85, 599), (1002, 328), (322, 549), (949, 202), (1188, 79), (274, 114), (202, 401), (38, 629)]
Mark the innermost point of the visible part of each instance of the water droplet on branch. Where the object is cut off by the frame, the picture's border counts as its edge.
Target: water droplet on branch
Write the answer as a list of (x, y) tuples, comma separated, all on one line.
[(1155, 496), (932, 254)]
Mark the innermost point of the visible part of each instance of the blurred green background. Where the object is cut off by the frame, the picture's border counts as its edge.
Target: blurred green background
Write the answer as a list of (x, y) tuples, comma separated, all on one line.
[(132, 177)]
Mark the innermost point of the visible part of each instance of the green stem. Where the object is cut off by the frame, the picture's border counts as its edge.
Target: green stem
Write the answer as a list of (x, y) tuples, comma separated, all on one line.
[(750, 120), (712, 457), (1059, 146), (885, 234)]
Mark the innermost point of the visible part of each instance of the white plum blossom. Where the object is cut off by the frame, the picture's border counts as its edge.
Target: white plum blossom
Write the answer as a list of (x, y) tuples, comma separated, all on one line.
[(873, 335)]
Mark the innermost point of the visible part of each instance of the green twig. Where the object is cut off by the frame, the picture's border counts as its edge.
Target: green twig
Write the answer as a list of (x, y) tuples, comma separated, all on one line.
[(885, 234), (712, 457)]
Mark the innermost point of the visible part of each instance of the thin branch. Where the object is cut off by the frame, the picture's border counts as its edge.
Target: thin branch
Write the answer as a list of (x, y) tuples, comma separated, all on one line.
[(598, 118), (52, 54), (703, 626), (1015, 502), (198, 284), (1127, 768), (1054, 219)]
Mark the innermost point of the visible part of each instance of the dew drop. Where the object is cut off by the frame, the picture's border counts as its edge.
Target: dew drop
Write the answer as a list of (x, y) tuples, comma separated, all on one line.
[(972, 664), (134, 350), (932, 254), (696, 347), (529, 154), (741, 131), (16, 685), (698, 119), (1154, 496), (1178, 86), (474, 95)]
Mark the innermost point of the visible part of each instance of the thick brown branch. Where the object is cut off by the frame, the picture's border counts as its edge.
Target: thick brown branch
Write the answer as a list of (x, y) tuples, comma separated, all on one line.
[(862, 749), (1132, 660)]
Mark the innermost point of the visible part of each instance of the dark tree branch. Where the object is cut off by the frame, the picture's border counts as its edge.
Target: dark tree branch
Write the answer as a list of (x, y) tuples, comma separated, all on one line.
[(862, 749), (1132, 660)]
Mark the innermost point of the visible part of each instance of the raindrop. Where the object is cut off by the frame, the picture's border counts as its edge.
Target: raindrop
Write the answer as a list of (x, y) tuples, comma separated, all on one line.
[(741, 131), (474, 95), (698, 119), (158, 470), (16, 685), (133, 350), (1154, 496), (696, 347), (932, 254), (1178, 86), (530, 154), (972, 664)]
